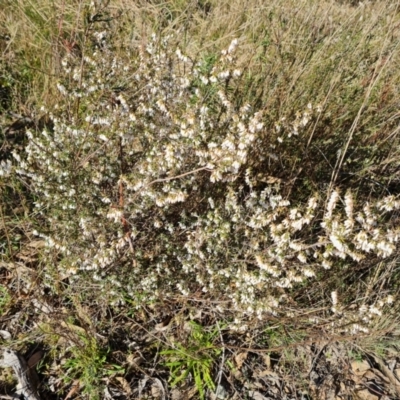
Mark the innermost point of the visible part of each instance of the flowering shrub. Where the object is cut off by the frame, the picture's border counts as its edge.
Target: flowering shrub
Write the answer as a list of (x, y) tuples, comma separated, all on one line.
[(152, 186)]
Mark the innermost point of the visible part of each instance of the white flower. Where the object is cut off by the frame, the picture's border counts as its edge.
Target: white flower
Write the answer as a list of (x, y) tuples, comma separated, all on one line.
[(390, 299), (62, 89), (375, 310), (115, 214), (267, 267), (348, 199), (224, 75), (385, 249), (331, 204), (236, 73), (336, 241), (232, 46), (327, 264), (309, 273), (302, 258)]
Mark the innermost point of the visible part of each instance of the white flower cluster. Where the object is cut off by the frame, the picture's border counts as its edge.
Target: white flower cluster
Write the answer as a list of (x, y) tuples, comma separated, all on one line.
[(355, 234), (359, 318), (150, 185), (298, 124)]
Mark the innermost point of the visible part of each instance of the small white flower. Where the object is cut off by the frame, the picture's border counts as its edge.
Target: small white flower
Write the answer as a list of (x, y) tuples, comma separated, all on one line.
[(327, 264), (232, 46), (390, 299), (309, 273), (224, 75), (61, 89), (302, 258), (332, 204)]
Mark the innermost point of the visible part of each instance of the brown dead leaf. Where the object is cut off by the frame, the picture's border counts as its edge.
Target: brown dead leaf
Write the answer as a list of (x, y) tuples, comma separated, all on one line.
[(134, 360), (272, 179), (124, 384), (240, 358), (157, 389), (163, 325), (255, 395), (365, 394), (36, 244), (26, 258), (155, 392), (267, 360), (35, 358), (176, 394), (267, 373), (360, 367)]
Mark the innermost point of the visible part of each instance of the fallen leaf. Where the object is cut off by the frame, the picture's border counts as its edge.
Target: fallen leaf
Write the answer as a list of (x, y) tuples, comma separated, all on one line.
[(163, 325), (268, 373), (176, 394), (124, 384), (155, 392), (365, 394), (157, 389), (255, 395), (37, 243), (267, 360), (134, 360), (35, 358), (240, 358), (360, 367), (26, 258)]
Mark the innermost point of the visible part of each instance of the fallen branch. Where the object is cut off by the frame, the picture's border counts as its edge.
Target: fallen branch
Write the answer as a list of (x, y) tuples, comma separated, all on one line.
[(26, 382)]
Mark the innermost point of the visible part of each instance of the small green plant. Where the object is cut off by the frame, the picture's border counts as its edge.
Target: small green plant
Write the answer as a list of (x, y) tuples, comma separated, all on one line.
[(5, 299), (196, 358), (356, 355), (87, 362)]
